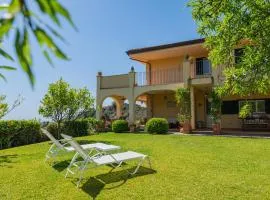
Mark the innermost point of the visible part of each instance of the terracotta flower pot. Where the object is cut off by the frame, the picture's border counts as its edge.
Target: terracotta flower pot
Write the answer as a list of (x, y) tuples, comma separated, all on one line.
[(186, 128), (132, 128), (216, 128)]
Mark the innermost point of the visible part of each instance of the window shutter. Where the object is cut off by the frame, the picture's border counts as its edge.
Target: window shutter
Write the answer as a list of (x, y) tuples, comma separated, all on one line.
[(267, 106)]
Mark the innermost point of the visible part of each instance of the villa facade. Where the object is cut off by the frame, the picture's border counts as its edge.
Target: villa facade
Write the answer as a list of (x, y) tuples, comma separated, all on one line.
[(172, 66)]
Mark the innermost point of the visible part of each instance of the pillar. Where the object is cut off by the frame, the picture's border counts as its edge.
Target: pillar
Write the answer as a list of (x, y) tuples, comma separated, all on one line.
[(192, 109), (131, 117), (186, 70), (98, 99), (149, 106), (131, 99), (119, 107)]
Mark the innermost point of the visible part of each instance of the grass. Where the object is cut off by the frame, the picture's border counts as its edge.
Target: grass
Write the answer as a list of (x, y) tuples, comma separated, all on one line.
[(186, 167)]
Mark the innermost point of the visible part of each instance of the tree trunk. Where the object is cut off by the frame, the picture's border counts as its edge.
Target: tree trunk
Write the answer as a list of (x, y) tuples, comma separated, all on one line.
[(58, 130)]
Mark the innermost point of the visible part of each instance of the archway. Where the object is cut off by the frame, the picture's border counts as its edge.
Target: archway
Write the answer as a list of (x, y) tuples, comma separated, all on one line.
[(112, 108), (160, 103)]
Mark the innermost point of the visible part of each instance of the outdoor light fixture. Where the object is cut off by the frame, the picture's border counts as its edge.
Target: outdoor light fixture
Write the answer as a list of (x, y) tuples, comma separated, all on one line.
[(210, 99)]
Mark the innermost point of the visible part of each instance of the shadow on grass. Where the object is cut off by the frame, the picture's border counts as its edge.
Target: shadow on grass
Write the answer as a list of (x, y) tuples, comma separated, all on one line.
[(95, 185), (92, 141), (61, 166), (7, 159)]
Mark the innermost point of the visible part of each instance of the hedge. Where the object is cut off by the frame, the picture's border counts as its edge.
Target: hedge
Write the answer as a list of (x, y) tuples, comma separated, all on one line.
[(77, 128), (157, 125), (120, 126), (22, 132), (19, 132)]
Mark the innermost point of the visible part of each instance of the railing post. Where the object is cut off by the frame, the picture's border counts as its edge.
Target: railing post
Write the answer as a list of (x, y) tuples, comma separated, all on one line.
[(132, 75)]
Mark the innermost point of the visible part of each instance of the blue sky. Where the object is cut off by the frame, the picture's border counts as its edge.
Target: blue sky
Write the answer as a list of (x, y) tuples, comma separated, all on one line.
[(107, 29)]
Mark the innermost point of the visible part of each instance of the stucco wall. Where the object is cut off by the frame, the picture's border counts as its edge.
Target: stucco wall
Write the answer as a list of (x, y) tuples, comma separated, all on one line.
[(166, 70), (164, 105), (200, 105), (230, 121), (116, 81)]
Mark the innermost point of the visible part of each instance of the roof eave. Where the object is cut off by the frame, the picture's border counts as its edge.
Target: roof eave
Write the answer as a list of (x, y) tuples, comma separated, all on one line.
[(165, 46)]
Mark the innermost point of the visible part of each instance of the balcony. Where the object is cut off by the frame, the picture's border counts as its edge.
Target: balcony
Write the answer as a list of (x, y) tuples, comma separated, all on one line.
[(159, 77), (201, 73), (115, 81), (203, 68)]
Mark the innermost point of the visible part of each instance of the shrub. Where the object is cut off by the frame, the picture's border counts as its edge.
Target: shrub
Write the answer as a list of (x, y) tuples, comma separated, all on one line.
[(182, 96), (157, 125), (100, 127), (93, 124), (76, 128), (120, 126), (19, 132), (52, 128)]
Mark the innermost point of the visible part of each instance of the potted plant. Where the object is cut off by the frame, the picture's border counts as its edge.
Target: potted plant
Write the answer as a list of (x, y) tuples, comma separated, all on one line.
[(215, 111), (245, 112), (132, 128), (183, 100)]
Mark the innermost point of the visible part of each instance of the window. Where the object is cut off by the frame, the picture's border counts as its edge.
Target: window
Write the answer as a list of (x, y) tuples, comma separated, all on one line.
[(258, 106), (203, 66), (238, 53), (230, 107)]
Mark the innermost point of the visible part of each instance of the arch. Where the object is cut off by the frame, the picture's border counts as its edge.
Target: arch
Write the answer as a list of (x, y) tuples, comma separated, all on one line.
[(119, 104), (160, 103), (138, 95)]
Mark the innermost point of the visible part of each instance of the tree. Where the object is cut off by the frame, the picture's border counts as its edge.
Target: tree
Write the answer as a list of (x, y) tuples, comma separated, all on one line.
[(230, 24), (182, 96), (5, 108), (63, 103), (20, 20)]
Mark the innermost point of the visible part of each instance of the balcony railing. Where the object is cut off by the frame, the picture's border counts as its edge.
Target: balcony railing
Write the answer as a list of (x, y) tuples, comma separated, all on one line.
[(159, 77)]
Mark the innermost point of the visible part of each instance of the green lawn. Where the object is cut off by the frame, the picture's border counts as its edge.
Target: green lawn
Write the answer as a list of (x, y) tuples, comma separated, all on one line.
[(186, 167)]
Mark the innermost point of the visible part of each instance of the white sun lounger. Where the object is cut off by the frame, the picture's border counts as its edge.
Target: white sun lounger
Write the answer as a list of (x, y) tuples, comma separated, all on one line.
[(60, 146), (115, 160)]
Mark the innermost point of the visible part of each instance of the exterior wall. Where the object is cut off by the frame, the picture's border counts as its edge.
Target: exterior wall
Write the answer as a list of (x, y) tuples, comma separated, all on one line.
[(166, 70), (232, 121), (200, 106), (169, 63), (164, 105), (116, 81)]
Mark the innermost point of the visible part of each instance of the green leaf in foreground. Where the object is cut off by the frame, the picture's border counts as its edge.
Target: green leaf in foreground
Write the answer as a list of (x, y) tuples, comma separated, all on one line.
[(45, 39), (8, 68), (6, 55), (21, 45)]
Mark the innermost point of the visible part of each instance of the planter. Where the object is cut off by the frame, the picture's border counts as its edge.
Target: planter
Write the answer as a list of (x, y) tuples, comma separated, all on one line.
[(132, 128), (186, 128), (216, 129)]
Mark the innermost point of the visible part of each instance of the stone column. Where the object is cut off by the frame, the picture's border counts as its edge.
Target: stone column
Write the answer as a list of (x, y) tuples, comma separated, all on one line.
[(98, 99), (131, 98), (192, 109), (187, 67), (149, 106), (119, 107)]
